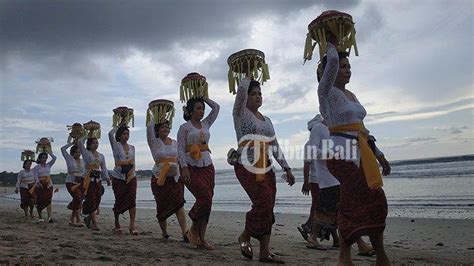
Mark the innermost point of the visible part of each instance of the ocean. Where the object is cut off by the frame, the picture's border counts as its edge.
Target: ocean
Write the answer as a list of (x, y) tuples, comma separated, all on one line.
[(430, 188)]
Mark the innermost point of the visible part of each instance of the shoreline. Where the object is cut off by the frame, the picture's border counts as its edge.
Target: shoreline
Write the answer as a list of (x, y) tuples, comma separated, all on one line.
[(413, 241)]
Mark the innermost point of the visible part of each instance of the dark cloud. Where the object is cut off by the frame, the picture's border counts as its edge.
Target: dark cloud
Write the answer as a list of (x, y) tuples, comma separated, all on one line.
[(452, 130), (55, 26)]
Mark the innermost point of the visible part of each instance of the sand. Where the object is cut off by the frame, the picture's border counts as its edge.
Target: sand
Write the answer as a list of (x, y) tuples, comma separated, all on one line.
[(413, 241)]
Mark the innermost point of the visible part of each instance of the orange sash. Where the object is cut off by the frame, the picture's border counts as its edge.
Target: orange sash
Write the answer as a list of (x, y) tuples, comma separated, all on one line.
[(262, 159), (164, 169), (44, 180), (130, 172), (87, 177), (369, 161), (196, 149), (76, 184)]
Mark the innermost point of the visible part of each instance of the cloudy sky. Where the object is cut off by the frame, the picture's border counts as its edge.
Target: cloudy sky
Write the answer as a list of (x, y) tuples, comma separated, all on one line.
[(72, 61)]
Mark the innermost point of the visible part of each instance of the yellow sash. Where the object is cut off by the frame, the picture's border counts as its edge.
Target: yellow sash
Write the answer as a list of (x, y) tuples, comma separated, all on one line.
[(76, 184), (87, 178), (164, 169), (196, 149), (130, 172), (369, 162), (44, 180), (262, 159)]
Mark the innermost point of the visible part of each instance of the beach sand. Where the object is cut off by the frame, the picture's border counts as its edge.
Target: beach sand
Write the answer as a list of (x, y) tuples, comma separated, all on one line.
[(418, 241)]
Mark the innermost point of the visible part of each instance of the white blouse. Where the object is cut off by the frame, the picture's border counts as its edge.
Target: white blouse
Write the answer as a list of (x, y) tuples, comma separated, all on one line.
[(189, 134), (120, 155), (40, 170), (91, 159), (336, 108), (74, 168), (161, 150), (246, 123), (24, 179)]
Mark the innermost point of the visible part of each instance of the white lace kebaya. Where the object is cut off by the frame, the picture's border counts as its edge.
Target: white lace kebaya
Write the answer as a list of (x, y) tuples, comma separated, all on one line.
[(160, 150), (95, 161), (39, 170), (336, 108), (74, 169), (246, 124), (120, 154), (24, 179), (188, 134)]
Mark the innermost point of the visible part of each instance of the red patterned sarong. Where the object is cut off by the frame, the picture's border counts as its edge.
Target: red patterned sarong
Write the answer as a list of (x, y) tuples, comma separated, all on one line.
[(260, 218), (361, 211), (125, 194), (169, 197), (93, 196), (202, 188), (44, 194), (26, 197), (76, 195)]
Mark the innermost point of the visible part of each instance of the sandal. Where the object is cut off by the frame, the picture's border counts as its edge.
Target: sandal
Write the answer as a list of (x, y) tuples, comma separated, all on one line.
[(369, 253), (165, 236), (79, 224), (133, 232), (50, 220), (272, 258), (246, 249), (313, 245), (117, 230), (95, 228), (303, 233)]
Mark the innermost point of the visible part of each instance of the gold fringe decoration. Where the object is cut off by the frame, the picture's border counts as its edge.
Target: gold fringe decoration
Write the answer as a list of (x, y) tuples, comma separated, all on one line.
[(160, 110), (44, 145), (246, 63), (76, 132), (92, 130), (123, 116), (28, 155), (335, 22), (192, 86)]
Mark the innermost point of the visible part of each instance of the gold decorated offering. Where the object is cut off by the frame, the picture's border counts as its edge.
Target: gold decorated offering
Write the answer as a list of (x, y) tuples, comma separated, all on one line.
[(92, 129), (162, 110), (247, 63), (27, 155), (335, 23), (122, 116), (76, 132), (44, 145), (194, 85)]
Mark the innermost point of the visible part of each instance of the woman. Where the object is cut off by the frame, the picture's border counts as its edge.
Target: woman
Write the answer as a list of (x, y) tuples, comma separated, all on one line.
[(75, 173), (363, 207), (255, 132), (166, 186), (44, 185), (25, 181), (196, 165), (96, 170), (124, 182)]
